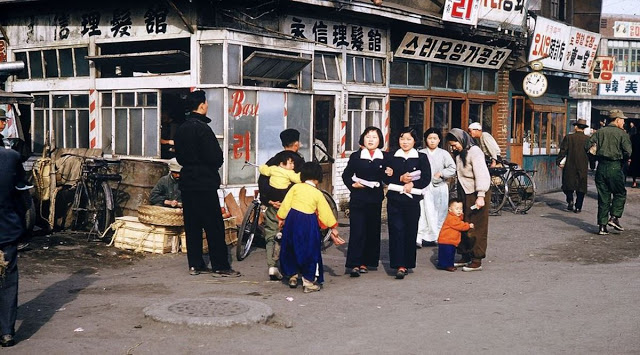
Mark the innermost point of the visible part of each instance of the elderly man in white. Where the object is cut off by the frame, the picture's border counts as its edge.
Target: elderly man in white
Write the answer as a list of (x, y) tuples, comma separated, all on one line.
[(486, 142)]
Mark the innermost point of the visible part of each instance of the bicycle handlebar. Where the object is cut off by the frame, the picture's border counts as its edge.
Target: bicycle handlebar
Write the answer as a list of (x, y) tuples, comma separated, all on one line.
[(329, 157)]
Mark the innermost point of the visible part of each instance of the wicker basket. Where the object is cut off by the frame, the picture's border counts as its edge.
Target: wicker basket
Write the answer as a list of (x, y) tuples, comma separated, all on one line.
[(160, 216)]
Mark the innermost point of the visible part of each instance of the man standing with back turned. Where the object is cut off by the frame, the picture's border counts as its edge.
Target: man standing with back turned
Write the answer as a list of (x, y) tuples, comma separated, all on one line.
[(613, 148), (199, 153)]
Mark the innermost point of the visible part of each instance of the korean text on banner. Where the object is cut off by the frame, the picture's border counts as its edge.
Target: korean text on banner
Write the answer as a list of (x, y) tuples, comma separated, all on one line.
[(621, 85), (581, 51), (602, 70), (507, 14), (550, 41), (461, 11)]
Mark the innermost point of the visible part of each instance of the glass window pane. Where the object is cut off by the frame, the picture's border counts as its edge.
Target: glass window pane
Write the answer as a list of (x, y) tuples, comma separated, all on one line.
[(487, 118), (489, 81), (106, 99), (147, 99), (61, 101), (536, 133), (242, 138), (331, 65), (416, 74), (441, 115), (121, 129), (22, 57), (350, 69), (359, 69), (81, 101), (475, 79), (151, 127), (41, 101), (58, 121), (215, 98), (211, 66), (70, 129), (318, 67), (456, 78), (416, 117), (270, 125), (51, 63), (299, 117), (83, 129), (475, 113), (66, 62), (355, 103), (368, 70), (305, 75), (378, 64), (107, 146), (39, 129), (438, 76), (135, 132), (544, 133), (234, 64), (399, 73), (126, 99), (35, 65), (357, 130), (82, 63)]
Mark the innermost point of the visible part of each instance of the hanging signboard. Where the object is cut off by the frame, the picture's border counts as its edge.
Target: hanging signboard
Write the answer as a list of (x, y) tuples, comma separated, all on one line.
[(444, 50), (349, 36), (579, 88), (550, 41), (602, 70), (625, 29), (581, 51), (505, 13), (461, 11), (621, 85)]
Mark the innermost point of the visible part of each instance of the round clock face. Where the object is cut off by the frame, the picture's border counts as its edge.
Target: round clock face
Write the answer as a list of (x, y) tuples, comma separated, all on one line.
[(535, 84)]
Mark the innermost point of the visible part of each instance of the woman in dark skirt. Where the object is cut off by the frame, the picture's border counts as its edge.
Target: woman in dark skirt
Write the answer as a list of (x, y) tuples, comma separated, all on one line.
[(408, 175), (366, 166)]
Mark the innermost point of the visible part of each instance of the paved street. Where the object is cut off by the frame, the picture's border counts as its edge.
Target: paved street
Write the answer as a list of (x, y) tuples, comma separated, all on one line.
[(549, 285)]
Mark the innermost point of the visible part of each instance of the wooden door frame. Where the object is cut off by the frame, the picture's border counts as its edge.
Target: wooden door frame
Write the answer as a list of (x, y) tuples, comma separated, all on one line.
[(327, 167)]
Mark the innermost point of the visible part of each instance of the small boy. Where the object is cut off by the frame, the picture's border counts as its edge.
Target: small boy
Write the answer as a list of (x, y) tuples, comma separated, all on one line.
[(450, 235), (281, 176)]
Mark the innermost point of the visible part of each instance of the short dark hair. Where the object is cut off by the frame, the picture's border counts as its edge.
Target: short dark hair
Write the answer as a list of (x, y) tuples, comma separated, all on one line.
[(284, 156), (412, 132), (194, 99), (311, 171), (372, 129), (289, 136), (454, 200), (432, 130)]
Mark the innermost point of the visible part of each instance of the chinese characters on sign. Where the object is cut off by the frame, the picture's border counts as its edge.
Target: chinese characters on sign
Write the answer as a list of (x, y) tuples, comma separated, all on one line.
[(461, 11), (348, 36), (451, 51), (581, 88), (550, 41), (602, 70), (624, 29), (581, 50), (621, 85)]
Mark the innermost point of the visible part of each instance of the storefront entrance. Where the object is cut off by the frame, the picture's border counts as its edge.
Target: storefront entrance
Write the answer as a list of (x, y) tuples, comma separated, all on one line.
[(323, 115)]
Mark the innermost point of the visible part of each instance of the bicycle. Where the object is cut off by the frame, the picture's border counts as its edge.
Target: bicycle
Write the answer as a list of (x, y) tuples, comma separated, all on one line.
[(93, 202), (252, 227), (513, 184)]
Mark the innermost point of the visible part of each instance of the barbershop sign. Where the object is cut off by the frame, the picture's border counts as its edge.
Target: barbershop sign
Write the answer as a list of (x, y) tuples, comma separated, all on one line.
[(444, 50)]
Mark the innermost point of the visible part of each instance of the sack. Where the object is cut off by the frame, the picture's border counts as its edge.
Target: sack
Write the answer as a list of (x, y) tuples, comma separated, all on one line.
[(593, 149)]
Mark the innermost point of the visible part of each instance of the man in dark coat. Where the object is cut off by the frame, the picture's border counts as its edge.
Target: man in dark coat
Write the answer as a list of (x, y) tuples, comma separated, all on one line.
[(200, 155), (574, 162), (11, 228)]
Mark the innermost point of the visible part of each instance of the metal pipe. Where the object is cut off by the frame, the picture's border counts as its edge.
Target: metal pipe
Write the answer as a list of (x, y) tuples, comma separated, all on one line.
[(11, 67)]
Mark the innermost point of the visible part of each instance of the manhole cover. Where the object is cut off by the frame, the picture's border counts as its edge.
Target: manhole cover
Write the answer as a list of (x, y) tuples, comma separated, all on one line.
[(210, 311)]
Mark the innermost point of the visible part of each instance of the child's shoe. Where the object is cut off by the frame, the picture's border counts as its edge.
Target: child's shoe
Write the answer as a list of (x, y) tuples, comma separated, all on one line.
[(308, 286)]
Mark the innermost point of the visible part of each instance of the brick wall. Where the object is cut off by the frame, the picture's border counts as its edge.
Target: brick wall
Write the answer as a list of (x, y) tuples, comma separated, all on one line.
[(502, 118)]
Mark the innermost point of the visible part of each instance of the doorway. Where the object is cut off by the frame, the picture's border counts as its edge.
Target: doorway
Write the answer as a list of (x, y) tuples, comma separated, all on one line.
[(322, 152)]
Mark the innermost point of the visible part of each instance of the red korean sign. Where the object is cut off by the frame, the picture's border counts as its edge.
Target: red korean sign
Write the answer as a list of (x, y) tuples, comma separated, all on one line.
[(461, 11), (602, 70)]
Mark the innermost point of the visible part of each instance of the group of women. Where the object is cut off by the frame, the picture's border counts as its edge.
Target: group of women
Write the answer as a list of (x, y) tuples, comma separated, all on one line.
[(417, 197)]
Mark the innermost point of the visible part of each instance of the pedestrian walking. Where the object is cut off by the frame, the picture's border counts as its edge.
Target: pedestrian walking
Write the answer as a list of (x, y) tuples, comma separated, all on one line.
[(612, 149), (574, 162), (433, 207), (473, 186), (363, 176), (408, 175), (199, 153)]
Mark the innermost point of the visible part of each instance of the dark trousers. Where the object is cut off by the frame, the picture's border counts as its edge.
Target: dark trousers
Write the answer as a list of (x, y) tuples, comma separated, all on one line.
[(473, 244), (202, 211), (364, 234), (446, 255), (579, 198), (9, 290), (403, 228), (611, 191)]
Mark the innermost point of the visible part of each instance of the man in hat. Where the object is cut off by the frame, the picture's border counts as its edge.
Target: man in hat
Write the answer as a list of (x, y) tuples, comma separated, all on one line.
[(290, 139), (167, 192), (11, 228), (574, 162), (613, 148), (486, 142)]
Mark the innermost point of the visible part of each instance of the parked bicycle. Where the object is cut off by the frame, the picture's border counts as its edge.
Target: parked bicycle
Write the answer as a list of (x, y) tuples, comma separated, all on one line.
[(93, 203), (513, 184), (252, 224)]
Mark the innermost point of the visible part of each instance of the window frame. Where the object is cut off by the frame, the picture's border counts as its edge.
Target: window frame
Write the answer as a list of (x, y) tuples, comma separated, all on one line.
[(43, 65), (353, 135), (351, 64), (542, 119), (627, 55), (323, 56), (141, 135), (49, 113)]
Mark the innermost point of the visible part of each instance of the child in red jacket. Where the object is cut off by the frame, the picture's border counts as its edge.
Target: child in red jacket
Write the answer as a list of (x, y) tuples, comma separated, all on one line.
[(450, 235)]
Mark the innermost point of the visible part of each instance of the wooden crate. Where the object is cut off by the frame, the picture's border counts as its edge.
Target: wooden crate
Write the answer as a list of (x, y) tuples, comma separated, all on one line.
[(131, 234)]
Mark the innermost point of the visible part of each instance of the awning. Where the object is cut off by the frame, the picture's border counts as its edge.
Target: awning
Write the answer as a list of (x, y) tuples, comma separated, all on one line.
[(628, 110), (273, 66), (15, 98), (143, 60)]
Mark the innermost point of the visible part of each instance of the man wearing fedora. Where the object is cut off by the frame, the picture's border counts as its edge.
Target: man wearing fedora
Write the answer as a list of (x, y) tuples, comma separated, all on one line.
[(612, 148), (166, 193), (574, 162)]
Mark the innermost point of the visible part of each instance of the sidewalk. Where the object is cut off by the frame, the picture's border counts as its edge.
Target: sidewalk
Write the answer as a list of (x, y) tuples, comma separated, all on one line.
[(549, 285)]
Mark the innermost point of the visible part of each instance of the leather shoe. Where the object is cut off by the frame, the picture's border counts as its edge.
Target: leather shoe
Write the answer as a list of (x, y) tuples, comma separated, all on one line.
[(7, 341), (613, 222), (577, 210), (603, 230)]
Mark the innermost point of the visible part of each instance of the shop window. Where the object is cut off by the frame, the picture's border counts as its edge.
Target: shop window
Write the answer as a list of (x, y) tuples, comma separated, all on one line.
[(278, 69), (482, 80), (364, 70), (627, 55), (134, 118), (544, 129), (211, 67), (482, 112), (325, 67), (40, 122), (70, 116), (361, 113), (558, 10), (53, 63), (447, 77)]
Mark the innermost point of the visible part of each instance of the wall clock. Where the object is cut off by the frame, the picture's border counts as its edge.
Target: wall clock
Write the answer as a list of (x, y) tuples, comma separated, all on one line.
[(535, 84)]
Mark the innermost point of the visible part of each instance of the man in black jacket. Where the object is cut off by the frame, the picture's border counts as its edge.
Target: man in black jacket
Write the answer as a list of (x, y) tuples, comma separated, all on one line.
[(11, 228), (199, 153)]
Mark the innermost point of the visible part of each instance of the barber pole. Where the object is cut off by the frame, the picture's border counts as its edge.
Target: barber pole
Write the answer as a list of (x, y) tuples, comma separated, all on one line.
[(285, 112), (93, 136), (386, 127), (343, 139)]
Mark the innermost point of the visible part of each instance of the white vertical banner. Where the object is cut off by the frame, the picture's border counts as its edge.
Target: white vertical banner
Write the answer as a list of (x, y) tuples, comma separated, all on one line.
[(550, 41), (581, 51), (461, 11)]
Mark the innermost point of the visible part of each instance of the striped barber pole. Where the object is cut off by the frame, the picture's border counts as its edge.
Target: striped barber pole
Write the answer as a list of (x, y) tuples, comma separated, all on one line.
[(386, 128), (93, 113), (343, 139), (286, 111)]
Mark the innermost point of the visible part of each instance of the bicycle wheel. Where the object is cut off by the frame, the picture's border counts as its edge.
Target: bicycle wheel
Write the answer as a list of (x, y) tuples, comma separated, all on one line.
[(326, 233), (102, 212), (522, 191), (498, 193), (248, 230), (79, 206)]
